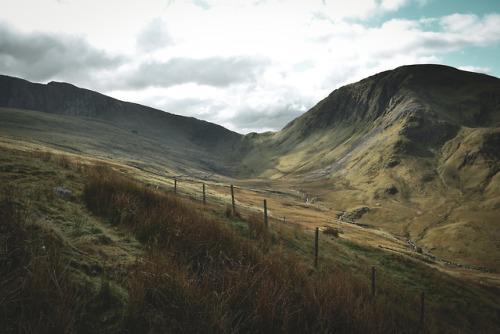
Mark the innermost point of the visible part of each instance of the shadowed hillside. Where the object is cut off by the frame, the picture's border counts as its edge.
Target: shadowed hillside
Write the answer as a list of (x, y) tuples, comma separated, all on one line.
[(197, 142)]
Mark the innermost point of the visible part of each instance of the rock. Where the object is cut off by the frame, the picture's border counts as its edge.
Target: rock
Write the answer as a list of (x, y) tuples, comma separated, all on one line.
[(391, 191), (63, 193), (393, 163)]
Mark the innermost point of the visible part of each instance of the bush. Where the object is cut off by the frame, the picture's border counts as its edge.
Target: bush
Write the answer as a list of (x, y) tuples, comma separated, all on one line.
[(334, 232)]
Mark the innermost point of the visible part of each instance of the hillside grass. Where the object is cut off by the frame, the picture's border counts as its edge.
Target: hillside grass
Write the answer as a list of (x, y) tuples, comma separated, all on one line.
[(429, 206), (123, 256)]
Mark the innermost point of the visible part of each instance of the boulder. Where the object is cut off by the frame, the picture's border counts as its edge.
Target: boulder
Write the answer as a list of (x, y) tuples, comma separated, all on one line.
[(63, 193)]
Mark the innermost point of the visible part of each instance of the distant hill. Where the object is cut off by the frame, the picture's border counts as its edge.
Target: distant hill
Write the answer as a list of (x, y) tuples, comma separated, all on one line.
[(65, 99)]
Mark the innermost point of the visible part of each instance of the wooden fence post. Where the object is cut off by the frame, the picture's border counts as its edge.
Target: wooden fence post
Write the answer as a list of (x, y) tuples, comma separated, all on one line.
[(316, 240), (175, 185), (373, 280), (265, 212), (422, 309), (204, 198), (232, 198)]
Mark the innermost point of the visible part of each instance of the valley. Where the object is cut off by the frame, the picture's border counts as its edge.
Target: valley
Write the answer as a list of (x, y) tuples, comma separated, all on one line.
[(402, 167)]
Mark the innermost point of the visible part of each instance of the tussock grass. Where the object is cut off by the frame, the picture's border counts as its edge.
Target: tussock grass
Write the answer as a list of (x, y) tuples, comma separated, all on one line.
[(37, 294), (199, 273), (332, 231)]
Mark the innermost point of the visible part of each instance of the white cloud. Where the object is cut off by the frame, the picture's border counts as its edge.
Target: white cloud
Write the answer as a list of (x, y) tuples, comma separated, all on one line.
[(477, 69), (248, 65)]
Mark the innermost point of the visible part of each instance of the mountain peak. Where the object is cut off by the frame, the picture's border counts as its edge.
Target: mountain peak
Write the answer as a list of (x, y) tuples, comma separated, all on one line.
[(441, 91)]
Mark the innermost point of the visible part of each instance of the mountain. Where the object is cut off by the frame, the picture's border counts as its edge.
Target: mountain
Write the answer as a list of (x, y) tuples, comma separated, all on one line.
[(417, 147), (408, 112), (65, 99), (189, 141), (414, 151)]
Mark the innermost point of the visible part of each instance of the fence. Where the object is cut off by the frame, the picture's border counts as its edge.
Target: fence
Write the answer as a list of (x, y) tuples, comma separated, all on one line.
[(316, 238)]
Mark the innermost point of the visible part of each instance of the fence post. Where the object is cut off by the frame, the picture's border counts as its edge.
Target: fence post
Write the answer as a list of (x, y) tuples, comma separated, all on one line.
[(422, 309), (316, 240), (373, 280), (232, 198), (265, 212), (175, 185), (204, 198)]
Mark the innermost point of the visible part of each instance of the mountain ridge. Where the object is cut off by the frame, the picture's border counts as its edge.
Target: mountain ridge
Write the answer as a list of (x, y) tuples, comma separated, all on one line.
[(356, 108), (416, 147), (66, 99)]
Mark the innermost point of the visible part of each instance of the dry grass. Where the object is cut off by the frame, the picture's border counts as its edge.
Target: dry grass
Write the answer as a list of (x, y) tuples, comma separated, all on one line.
[(200, 270), (38, 294), (196, 263)]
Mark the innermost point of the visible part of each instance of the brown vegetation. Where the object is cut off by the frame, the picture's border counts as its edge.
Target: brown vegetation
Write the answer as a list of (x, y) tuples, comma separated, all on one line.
[(195, 272)]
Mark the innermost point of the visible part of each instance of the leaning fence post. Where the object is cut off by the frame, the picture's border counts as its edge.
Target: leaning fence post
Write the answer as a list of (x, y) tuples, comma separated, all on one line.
[(232, 198), (373, 280), (204, 198), (265, 212), (316, 240)]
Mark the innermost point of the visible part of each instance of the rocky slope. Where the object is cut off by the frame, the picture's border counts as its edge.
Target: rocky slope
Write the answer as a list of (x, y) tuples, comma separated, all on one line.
[(411, 111), (418, 146)]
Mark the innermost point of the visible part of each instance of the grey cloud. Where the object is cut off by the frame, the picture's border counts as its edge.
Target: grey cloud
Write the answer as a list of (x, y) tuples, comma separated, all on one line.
[(190, 106), (154, 36), (273, 118), (245, 119), (213, 71), (43, 56)]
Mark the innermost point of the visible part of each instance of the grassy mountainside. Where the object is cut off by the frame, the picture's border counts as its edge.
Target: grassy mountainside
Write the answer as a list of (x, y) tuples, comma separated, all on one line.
[(105, 140), (413, 152), (123, 256), (168, 130), (418, 146)]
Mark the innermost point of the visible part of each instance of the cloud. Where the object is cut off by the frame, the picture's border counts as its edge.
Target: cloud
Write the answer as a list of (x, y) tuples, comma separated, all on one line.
[(242, 107), (247, 65), (472, 29), (211, 71), (46, 56), (154, 36), (270, 119), (255, 93), (421, 38), (476, 69), (339, 10)]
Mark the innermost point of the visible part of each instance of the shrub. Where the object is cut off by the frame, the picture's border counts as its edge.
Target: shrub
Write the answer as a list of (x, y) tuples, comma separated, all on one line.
[(334, 232)]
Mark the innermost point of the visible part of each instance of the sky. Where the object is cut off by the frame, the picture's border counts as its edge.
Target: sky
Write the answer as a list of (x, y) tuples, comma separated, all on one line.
[(250, 66)]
